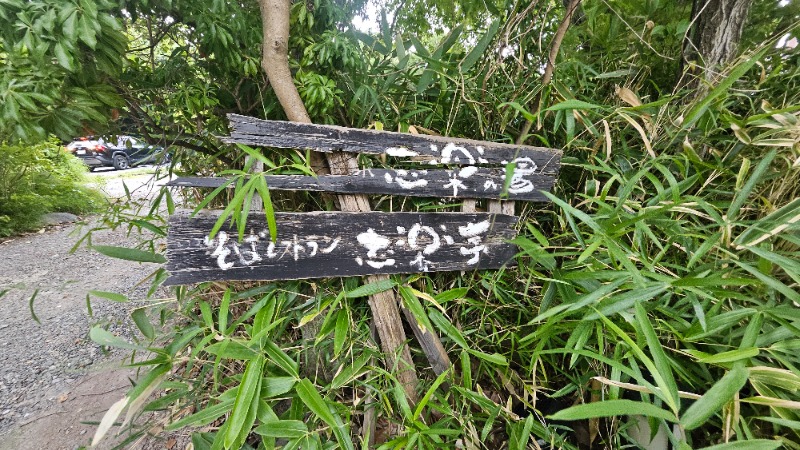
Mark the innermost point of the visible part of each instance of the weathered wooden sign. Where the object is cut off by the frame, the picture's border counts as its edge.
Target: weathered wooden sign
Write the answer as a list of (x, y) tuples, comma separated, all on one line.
[(524, 183), (334, 244), (337, 244), (431, 150)]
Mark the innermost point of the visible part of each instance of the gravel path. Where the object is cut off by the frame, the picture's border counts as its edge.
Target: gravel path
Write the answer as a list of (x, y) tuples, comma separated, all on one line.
[(51, 375)]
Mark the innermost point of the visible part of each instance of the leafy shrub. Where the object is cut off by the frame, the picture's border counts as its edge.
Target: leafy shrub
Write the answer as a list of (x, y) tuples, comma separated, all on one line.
[(38, 179)]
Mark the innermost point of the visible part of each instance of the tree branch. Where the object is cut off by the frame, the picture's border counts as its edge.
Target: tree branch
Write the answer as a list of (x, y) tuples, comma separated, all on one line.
[(385, 312), (547, 77)]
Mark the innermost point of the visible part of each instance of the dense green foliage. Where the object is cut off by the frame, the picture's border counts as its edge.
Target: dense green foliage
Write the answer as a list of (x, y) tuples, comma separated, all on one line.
[(38, 179), (663, 280)]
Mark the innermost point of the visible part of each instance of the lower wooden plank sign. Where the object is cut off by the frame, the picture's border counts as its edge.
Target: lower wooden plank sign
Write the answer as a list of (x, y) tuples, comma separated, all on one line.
[(336, 244)]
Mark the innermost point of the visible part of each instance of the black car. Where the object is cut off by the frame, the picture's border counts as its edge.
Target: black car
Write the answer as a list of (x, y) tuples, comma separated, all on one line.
[(120, 152)]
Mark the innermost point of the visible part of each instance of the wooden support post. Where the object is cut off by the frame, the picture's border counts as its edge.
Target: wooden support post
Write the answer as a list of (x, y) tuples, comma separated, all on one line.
[(256, 204), (385, 312)]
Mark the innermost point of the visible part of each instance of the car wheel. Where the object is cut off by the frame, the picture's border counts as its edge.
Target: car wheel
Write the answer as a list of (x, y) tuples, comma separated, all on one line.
[(91, 169), (121, 162)]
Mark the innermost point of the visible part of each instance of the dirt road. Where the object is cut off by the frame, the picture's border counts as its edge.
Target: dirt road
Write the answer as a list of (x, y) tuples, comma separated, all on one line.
[(52, 377)]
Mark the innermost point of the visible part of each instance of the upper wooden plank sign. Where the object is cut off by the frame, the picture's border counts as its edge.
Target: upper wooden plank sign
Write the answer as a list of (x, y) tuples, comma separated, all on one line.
[(431, 150), (328, 244)]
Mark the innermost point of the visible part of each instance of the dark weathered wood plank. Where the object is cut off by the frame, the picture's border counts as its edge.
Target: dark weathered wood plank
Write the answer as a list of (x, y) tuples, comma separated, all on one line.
[(334, 244), (437, 150), (467, 182)]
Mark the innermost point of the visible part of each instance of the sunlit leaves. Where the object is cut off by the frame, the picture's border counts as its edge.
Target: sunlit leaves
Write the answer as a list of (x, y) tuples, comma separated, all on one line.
[(59, 55)]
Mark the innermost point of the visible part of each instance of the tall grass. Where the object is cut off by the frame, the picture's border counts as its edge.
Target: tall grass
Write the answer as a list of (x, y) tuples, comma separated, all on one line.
[(661, 282)]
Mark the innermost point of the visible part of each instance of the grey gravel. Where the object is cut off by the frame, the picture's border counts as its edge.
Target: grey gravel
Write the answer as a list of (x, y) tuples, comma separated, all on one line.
[(44, 364)]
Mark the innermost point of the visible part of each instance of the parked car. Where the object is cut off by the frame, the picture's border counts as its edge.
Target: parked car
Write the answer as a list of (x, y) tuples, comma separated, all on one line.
[(120, 152)]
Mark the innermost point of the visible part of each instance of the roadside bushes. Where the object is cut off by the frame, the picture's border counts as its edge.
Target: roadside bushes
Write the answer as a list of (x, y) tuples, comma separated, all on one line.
[(38, 179)]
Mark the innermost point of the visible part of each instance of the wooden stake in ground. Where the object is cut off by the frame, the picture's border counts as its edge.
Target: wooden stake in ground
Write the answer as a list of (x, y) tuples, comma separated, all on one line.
[(385, 312)]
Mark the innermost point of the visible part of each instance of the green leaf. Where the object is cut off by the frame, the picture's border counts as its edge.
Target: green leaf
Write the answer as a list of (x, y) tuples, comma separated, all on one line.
[(371, 288), (718, 395), (224, 306), (145, 386), (474, 55), (451, 294), (660, 358), (664, 390), (113, 296), (148, 226), (269, 210), (722, 87), (427, 397), (341, 331), (288, 429), (69, 26), (249, 387), (278, 357), (275, 386), (104, 337), (746, 190), (89, 310), (87, 32), (309, 395), (30, 306), (494, 358), (129, 254), (139, 317), (203, 417), (572, 104), (750, 444), (64, 59), (412, 303), (611, 408), (444, 325), (520, 109), (350, 371), (731, 356), (231, 349)]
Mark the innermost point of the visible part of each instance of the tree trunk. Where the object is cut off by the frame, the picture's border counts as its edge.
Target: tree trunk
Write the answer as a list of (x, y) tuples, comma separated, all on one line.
[(714, 39), (385, 311)]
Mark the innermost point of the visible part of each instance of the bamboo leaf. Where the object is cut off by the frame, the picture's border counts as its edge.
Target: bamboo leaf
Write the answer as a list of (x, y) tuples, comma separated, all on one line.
[(756, 177), (412, 303), (709, 404), (571, 104), (144, 387), (309, 395), (611, 408), (474, 55), (30, 306), (113, 296), (371, 288), (731, 356), (750, 444), (104, 337), (237, 422), (129, 254), (721, 88), (141, 320), (660, 358), (203, 417), (287, 429)]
